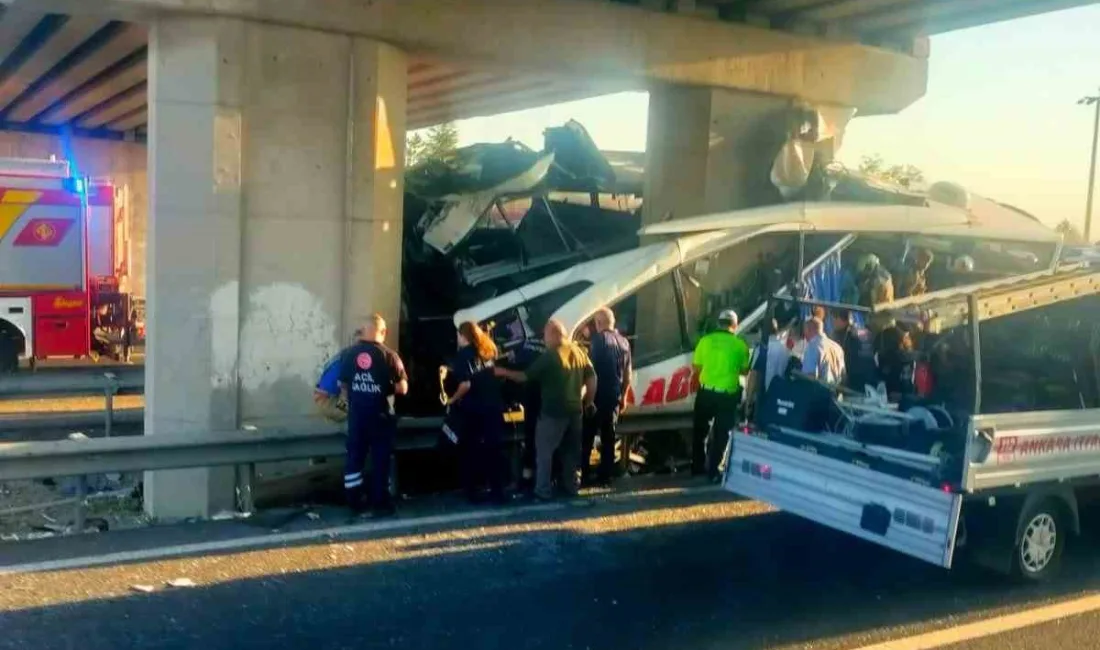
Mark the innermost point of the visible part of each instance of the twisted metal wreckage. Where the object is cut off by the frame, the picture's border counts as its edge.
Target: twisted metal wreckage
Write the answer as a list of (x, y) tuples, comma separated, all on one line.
[(496, 217)]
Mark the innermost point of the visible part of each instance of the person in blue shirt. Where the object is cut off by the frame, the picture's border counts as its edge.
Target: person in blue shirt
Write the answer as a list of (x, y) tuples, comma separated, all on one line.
[(326, 393), (371, 375), (478, 402), (520, 359), (610, 355)]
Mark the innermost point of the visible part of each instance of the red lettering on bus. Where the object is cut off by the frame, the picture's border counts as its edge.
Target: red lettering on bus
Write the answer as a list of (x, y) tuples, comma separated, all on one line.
[(680, 385), (655, 393)]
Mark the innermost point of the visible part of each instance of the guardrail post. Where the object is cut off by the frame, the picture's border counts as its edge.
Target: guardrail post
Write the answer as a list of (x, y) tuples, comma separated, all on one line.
[(624, 459), (246, 479), (110, 389), (80, 515)]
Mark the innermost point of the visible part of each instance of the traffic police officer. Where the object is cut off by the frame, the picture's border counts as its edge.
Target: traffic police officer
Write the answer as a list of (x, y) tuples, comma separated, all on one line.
[(720, 358), (370, 375)]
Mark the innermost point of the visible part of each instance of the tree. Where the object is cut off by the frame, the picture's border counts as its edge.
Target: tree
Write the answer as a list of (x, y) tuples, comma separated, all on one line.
[(414, 149), (1070, 233), (437, 143), (875, 167)]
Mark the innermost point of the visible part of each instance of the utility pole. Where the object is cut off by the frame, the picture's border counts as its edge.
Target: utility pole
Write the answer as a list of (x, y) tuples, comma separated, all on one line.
[(1092, 100)]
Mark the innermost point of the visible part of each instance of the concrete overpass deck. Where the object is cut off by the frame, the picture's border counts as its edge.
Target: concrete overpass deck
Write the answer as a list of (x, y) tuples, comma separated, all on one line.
[(89, 74)]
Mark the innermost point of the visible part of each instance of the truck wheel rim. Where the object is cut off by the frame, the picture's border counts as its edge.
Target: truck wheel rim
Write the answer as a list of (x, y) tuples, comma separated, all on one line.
[(1038, 544)]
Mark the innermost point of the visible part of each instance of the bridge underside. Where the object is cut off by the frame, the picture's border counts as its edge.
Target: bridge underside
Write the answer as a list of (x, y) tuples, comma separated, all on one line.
[(89, 73)]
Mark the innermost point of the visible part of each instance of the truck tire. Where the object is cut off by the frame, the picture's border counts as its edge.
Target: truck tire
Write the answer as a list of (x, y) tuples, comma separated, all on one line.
[(1040, 540), (9, 355)]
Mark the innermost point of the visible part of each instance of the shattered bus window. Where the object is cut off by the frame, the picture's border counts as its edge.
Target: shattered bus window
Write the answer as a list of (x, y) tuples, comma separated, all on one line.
[(739, 278)]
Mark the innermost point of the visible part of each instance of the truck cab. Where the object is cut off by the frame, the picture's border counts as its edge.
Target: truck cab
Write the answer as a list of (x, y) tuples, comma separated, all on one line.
[(63, 258)]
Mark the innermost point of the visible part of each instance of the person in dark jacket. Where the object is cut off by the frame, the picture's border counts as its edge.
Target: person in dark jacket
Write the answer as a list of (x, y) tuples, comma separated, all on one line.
[(859, 351), (896, 361), (371, 374), (480, 407), (610, 355), (530, 396)]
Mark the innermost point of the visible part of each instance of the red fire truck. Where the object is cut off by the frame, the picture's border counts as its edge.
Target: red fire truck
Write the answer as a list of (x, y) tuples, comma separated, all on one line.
[(64, 265)]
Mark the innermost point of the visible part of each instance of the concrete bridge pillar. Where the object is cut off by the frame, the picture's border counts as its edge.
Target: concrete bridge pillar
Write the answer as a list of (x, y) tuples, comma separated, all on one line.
[(708, 150), (275, 163)]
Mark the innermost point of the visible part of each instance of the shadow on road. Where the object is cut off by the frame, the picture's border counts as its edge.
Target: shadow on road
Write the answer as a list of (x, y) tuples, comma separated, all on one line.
[(612, 576)]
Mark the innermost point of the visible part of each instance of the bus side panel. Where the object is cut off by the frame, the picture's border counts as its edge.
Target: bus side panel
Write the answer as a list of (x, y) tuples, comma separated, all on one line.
[(913, 519)]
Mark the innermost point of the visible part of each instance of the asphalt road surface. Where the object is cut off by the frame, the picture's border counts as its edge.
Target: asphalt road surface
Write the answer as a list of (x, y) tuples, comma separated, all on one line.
[(667, 565)]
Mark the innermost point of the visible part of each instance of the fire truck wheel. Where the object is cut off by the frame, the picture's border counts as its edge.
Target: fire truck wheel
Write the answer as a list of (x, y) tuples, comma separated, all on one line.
[(9, 356)]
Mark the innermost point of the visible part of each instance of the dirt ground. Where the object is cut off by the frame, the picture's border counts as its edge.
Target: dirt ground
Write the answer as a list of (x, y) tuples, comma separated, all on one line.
[(117, 508)]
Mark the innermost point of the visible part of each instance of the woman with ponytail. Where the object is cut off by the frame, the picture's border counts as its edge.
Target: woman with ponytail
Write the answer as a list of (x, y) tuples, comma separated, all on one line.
[(478, 403)]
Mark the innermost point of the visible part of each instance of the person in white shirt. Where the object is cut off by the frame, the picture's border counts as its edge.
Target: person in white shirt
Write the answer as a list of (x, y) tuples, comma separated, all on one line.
[(778, 354), (823, 358), (770, 358)]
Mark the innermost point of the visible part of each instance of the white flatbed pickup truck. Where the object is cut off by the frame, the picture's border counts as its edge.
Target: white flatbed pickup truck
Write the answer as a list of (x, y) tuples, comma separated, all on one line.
[(1004, 479)]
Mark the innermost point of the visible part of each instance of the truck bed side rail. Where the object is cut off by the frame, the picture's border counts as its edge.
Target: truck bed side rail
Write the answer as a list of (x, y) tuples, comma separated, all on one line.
[(996, 298), (1016, 449)]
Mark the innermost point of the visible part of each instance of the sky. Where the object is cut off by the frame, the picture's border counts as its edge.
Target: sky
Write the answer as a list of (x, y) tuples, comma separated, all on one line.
[(1000, 116)]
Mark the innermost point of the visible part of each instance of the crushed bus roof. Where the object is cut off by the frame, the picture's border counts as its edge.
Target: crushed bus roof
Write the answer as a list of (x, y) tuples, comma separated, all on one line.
[(980, 219)]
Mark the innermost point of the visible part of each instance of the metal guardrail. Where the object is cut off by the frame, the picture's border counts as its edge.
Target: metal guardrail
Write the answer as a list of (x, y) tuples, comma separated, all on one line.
[(241, 449), (31, 460), (73, 381), (29, 423), (109, 384)]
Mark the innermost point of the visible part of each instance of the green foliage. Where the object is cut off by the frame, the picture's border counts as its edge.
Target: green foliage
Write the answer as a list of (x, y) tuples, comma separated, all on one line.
[(906, 176), (437, 144)]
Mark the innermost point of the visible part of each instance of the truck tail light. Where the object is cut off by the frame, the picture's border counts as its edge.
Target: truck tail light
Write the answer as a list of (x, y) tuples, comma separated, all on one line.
[(758, 470)]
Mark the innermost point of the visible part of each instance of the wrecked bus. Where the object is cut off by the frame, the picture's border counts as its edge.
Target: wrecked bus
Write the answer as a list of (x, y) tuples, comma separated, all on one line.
[(665, 294)]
